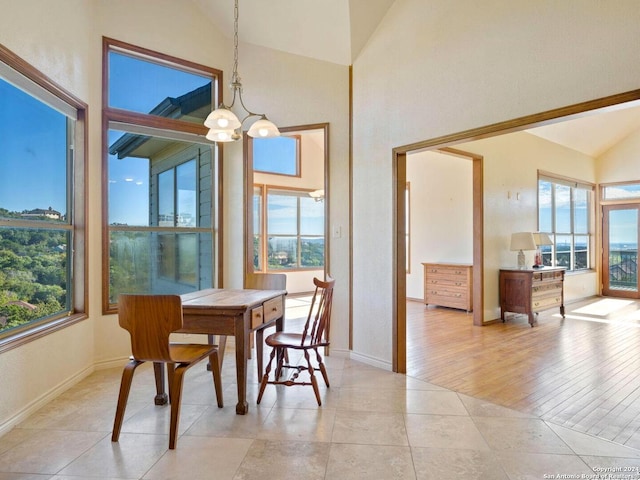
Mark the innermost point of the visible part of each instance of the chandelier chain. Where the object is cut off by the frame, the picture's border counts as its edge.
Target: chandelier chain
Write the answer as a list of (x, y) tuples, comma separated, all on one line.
[(235, 78)]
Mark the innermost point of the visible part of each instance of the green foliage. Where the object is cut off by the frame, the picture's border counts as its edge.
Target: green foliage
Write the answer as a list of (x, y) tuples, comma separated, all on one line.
[(33, 274)]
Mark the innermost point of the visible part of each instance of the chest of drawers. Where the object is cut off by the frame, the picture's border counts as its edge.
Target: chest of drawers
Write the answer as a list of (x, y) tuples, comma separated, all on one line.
[(448, 285), (530, 291)]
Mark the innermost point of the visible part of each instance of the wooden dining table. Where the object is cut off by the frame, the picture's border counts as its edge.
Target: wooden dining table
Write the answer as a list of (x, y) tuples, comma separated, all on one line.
[(226, 312)]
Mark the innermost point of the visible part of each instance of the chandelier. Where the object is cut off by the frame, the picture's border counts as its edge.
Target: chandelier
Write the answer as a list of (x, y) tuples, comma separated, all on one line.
[(223, 124)]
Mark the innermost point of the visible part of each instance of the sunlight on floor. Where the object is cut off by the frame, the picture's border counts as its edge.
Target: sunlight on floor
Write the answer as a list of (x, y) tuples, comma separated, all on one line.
[(604, 307)]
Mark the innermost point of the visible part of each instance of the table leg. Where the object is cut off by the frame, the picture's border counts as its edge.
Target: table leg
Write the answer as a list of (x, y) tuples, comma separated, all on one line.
[(161, 397), (242, 342)]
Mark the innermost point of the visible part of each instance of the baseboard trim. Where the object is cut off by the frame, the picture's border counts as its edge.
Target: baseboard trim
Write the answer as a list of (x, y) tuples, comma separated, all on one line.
[(374, 362), (47, 397)]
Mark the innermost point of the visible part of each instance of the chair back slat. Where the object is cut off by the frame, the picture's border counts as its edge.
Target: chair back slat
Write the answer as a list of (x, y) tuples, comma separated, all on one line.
[(266, 281), (150, 319), (318, 321)]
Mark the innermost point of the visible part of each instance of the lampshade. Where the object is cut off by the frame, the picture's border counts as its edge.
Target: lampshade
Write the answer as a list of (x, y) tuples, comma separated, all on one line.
[(263, 128), (221, 118), (542, 239), (522, 241)]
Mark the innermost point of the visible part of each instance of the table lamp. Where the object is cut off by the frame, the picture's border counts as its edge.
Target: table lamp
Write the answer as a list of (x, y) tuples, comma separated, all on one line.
[(521, 241), (541, 239)]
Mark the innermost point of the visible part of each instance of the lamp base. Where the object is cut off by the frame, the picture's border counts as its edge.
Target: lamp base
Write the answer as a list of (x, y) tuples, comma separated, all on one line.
[(521, 259)]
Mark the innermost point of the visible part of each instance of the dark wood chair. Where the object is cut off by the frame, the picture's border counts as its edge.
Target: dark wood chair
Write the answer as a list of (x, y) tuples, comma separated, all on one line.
[(150, 319), (314, 336)]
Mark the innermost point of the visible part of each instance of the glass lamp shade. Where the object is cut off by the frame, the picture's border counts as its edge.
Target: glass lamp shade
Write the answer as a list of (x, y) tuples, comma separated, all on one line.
[(222, 135), (263, 128), (222, 119)]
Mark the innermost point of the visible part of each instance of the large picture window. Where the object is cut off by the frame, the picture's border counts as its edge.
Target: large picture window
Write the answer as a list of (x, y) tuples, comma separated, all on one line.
[(565, 214), (294, 226), (161, 232), (41, 203)]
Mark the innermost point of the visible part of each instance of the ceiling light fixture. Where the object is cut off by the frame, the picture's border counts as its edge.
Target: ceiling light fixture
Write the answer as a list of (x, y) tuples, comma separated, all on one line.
[(223, 124)]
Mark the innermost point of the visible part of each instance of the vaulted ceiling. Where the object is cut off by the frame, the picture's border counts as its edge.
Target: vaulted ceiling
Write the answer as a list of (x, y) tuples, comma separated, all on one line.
[(337, 30), (331, 30)]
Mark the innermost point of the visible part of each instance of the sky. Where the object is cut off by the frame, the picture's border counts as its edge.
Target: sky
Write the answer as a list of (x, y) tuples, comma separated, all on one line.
[(33, 153)]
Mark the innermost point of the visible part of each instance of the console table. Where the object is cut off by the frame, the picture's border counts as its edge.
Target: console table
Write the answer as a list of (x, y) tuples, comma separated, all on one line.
[(532, 290)]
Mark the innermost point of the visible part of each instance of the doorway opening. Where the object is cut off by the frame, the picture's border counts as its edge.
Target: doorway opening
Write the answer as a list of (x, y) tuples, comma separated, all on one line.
[(399, 180), (286, 206)]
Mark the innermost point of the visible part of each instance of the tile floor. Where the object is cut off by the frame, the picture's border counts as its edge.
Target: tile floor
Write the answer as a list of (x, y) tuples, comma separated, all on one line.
[(373, 424)]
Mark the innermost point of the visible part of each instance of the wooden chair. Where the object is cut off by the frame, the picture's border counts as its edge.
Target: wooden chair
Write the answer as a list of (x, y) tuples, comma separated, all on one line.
[(150, 319), (263, 281), (314, 336)]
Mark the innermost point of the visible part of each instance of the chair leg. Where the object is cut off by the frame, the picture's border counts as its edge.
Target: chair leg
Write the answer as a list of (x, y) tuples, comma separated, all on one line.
[(259, 344), (314, 382), (323, 370), (217, 377), (170, 374), (265, 378), (123, 396), (176, 398)]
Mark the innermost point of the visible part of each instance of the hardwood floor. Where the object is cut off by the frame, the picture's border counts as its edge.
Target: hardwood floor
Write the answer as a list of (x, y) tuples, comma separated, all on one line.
[(582, 372)]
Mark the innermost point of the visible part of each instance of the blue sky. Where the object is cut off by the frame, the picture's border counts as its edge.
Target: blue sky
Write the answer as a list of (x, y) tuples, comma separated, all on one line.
[(33, 154)]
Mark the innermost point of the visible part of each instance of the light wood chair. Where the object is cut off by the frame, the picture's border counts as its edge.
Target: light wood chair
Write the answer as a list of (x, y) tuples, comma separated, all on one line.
[(150, 319), (314, 336), (263, 281)]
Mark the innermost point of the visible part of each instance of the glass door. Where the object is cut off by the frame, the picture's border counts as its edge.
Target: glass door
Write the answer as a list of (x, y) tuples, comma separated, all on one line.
[(620, 250)]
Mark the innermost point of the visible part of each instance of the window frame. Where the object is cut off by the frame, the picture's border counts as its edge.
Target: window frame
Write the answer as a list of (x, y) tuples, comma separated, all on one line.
[(131, 121), (298, 159), (264, 235), (573, 185), (39, 86)]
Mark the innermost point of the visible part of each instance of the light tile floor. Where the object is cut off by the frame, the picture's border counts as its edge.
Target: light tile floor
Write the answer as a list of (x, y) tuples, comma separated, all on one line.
[(373, 424)]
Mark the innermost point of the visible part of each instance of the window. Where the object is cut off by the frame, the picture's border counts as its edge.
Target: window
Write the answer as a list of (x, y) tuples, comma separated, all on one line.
[(42, 232), (294, 225), (161, 227), (621, 191), (565, 213), (279, 156)]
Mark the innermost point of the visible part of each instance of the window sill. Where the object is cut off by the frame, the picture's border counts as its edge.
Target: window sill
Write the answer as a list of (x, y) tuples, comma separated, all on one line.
[(23, 337)]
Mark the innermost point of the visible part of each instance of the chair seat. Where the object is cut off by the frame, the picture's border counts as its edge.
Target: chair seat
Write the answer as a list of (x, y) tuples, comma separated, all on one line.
[(292, 340), (190, 352)]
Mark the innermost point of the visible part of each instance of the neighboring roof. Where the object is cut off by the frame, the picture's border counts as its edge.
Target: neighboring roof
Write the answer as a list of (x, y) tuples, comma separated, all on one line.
[(170, 107)]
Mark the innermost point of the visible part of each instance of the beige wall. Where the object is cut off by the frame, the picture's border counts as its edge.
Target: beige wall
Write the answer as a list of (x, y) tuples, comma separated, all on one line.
[(441, 67), (511, 163), (620, 163), (441, 213), (63, 39)]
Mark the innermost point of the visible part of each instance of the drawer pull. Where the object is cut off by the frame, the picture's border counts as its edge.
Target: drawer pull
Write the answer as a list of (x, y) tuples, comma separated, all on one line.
[(458, 284), (434, 281)]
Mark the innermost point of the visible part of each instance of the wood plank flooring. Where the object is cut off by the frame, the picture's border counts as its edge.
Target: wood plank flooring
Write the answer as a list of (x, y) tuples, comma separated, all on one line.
[(582, 372)]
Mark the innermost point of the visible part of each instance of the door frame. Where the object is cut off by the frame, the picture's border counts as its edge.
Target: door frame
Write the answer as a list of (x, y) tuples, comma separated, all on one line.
[(399, 160), (604, 276), (248, 195)]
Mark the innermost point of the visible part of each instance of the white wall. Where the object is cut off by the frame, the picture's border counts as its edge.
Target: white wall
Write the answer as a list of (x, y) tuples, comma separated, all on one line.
[(63, 39), (440, 67), (441, 199)]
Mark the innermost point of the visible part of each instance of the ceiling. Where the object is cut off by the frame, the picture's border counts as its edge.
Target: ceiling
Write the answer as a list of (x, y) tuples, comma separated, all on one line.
[(593, 133), (330, 30), (337, 30)]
